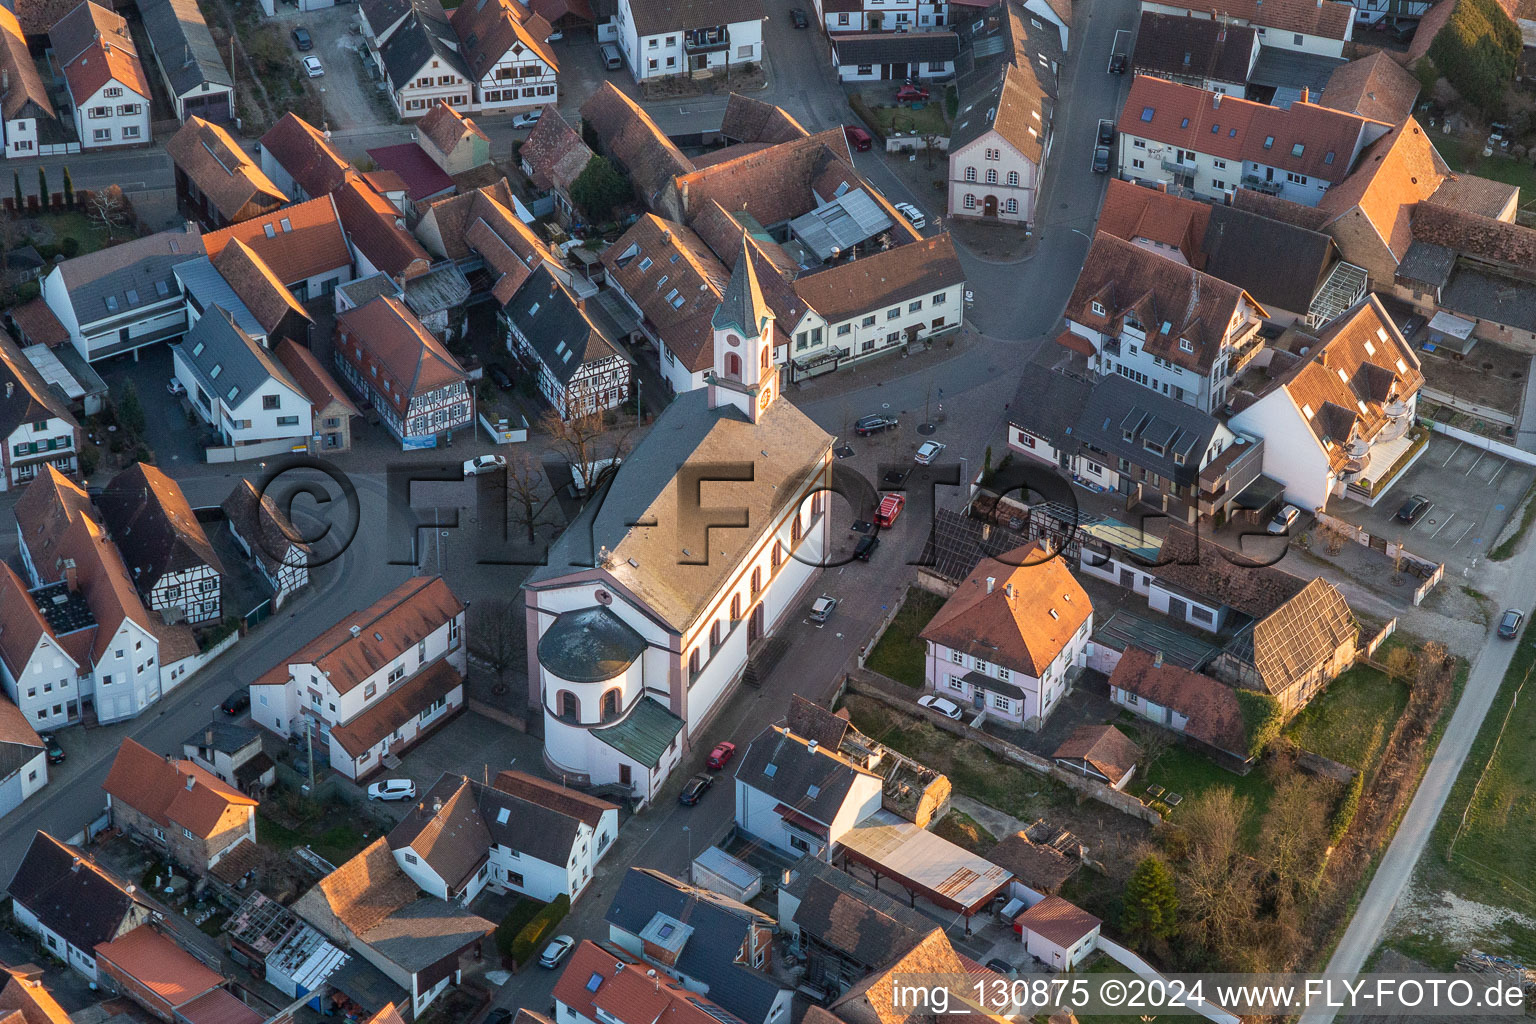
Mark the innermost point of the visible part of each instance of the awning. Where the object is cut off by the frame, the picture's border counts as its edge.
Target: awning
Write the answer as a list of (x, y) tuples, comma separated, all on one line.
[(1076, 342), (809, 826)]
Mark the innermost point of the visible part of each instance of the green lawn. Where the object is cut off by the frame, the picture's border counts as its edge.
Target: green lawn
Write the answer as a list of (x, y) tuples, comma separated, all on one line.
[(1352, 719), (900, 654), (1490, 861), (1467, 155), (1187, 773), (68, 224), (927, 121), (338, 844), (965, 831)]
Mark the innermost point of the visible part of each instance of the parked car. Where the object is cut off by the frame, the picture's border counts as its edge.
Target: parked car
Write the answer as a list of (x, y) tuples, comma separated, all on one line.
[(695, 789), (1106, 132), (866, 547), (236, 702), (612, 59), (721, 755), (1001, 966), (1101, 160), (500, 1015), (312, 66), (484, 464), (859, 140), (874, 424), (1509, 625), (529, 119), (1284, 519), (499, 376), (910, 93), (927, 452), (913, 215), (392, 789), (302, 40), (56, 753), (175, 388), (1117, 64), (943, 705), (890, 509), (822, 608), (1413, 508), (559, 947), (798, 19)]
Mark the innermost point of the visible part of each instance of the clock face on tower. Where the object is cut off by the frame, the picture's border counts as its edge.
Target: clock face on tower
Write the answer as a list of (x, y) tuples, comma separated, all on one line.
[(767, 395)]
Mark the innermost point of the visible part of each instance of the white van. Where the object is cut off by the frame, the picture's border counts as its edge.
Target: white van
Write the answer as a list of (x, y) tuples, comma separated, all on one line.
[(611, 57)]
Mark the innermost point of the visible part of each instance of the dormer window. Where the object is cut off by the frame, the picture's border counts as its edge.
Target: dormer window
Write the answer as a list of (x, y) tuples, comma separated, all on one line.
[(1153, 447), (1185, 345), (1098, 309)]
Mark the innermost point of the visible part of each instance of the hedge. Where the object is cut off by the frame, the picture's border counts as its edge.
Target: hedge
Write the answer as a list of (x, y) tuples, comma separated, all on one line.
[(534, 934), (1262, 719), (1478, 51), (1344, 814), (522, 912)]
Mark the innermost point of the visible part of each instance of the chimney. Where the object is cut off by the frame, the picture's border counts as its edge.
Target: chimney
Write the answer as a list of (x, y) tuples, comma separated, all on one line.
[(71, 576), (29, 973), (356, 631), (74, 864), (191, 783), (10, 388), (1008, 589), (811, 746), (5, 80), (1157, 659), (991, 582), (437, 804), (208, 736), (1215, 101), (1162, 187), (1306, 94)]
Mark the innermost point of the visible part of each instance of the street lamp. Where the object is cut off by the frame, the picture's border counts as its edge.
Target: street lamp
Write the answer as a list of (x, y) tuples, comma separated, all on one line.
[(1085, 234), (689, 833)]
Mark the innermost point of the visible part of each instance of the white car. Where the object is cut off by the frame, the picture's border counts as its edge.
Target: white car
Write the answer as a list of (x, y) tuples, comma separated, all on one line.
[(559, 947), (484, 464), (943, 705), (527, 120), (927, 452), (1284, 519), (392, 789), (312, 66), (822, 608), (175, 388), (912, 214)]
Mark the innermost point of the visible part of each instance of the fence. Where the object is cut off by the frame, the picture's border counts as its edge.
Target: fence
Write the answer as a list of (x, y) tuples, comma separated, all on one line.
[(261, 450), (1429, 584), (1136, 965), (890, 692), (502, 431), (1430, 572), (885, 623), (1488, 444), (1483, 412), (1380, 638)]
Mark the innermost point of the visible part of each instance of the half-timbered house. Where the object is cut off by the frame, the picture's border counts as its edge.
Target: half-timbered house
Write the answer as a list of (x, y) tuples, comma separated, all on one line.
[(420, 392), (579, 370), (163, 545)]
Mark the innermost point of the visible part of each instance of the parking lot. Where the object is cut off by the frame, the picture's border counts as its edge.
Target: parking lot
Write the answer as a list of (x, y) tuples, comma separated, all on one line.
[(1472, 493)]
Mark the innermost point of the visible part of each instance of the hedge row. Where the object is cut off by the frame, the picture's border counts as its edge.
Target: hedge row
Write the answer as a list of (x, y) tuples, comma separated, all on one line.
[(1344, 814), (1477, 51), (522, 912), (530, 940)]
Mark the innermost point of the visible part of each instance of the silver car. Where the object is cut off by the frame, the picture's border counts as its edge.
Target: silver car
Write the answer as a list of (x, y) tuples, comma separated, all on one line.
[(822, 608)]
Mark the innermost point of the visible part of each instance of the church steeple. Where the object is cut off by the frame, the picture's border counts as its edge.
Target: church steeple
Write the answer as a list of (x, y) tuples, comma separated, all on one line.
[(744, 371)]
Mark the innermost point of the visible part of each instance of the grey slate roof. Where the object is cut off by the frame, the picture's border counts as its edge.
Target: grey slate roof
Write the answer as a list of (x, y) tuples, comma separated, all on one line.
[(589, 645), (478, 822), (85, 906), (243, 364), (421, 38), (228, 738), (646, 560), (859, 922), (1428, 263), (561, 333), (719, 926), (207, 288), (653, 16), (130, 274), (1293, 70), (814, 782), (1279, 264), (183, 45), (896, 47), (421, 934), (644, 734), (1171, 45), (1069, 412), (742, 307)]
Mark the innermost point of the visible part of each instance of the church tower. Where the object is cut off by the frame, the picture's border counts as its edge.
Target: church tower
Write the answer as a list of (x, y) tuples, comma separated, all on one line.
[(744, 374)]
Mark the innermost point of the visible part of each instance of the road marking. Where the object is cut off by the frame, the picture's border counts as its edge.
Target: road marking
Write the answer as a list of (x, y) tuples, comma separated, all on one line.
[(1470, 527), (1443, 525), (1451, 456), (1474, 463), (1496, 472)]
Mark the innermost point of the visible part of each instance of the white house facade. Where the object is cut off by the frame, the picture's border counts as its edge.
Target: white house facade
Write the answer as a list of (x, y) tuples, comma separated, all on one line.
[(660, 40)]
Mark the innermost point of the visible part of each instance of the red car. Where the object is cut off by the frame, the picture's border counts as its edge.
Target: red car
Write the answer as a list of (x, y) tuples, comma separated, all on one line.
[(859, 139), (890, 507), (911, 93), (721, 755)]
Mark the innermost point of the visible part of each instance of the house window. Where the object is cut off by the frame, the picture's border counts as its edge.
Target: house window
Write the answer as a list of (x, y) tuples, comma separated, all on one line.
[(991, 175), (1098, 309), (757, 580), (913, 307), (396, 674), (1013, 178), (188, 833), (1012, 206), (938, 299), (287, 421), (370, 690), (693, 664), (970, 174), (101, 135), (869, 321), (735, 607), (957, 657), (1004, 674), (714, 636), (271, 401), (957, 684), (1295, 179), (844, 330), (842, 19), (864, 69), (158, 833), (130, 131), (1001, 703)]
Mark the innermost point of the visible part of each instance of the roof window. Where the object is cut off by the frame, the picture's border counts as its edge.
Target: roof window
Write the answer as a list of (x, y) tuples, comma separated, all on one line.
[(645, 264), (267, 228), (1298, 149), (771, 770), (162, 288), (111, 303), (231, 393), (812, 792), (218, 368), (1231, 133), (197, 349), (594, 982), (1215, 129), (1328, 157), (1184, 122), (1269, 142), (1146, 113), (133, 296)]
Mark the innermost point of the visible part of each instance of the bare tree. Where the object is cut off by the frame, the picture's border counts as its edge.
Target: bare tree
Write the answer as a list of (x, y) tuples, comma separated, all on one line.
[(1213, 820), (527, 504), (1431, 663), (1399, 664), (110, 208), (586, 440), (493, 634), (1295, 832)]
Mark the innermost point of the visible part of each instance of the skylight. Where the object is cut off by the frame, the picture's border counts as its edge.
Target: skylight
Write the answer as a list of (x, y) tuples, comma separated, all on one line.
[(197, 349), (1328, 159), (231, 393), (1298, 149), (813, 792), (287, 224), (1215, 129), (645, 264), (771, 770), (133, 296), (1146, 113), (502, 815), (594, 981), (111, 303), (162, 289), (267, 229), (1269, 142), (1184, 122), (218, 368)]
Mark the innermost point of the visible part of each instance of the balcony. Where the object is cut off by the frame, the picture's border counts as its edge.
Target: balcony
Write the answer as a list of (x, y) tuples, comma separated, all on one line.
[(1178, 167), (706, 40), (1258, 184)]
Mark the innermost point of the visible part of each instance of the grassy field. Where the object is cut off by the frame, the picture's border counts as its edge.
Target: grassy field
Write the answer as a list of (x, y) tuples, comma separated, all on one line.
[(900, 654), (337, 844), (965, 831), (1183, 771), (1352, 719), (972, 769), (890, 120), (1467, 155), (1490, 859), (66, 224)]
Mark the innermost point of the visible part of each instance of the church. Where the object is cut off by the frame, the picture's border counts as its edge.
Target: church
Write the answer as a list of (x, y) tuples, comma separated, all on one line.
[(708, 535)]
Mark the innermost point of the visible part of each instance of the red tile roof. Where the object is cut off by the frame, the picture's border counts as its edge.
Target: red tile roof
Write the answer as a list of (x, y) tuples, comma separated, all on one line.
[(173, 793), (407, 702), (313, 379), (232, 182), (1106, 749), (306, 154), (24, 993), (1232, 129), (597, 984), (1131, 211), (1375, 86), (1392, 175), (296, 242), (395, 623), (629, 136), (654, 249), (21, 624), (1075, 342), (1057, 920), (1328, 18), (554, 154), (422, 177), (1215, 717), (26, 91), (393, 341), (1019, 611), (377, 229), (445, 128), (773, 184), (38, 324), (219, 1006), (98, 48), (257, 285), (160, 965), (489, 28), (899, 273), (570, 802)]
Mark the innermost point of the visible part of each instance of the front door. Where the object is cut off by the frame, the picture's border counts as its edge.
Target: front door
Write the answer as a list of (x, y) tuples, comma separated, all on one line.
[(1178, 609), (874, 22), (989, 207), (624, 776), (755, 625)]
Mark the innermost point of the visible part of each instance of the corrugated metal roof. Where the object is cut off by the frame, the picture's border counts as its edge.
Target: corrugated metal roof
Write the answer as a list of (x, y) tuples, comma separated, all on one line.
[(851, 218), (644, 734)]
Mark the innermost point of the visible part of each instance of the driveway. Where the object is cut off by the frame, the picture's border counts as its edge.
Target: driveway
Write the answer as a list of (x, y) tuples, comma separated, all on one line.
[(1474, 492), (352, 100)]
